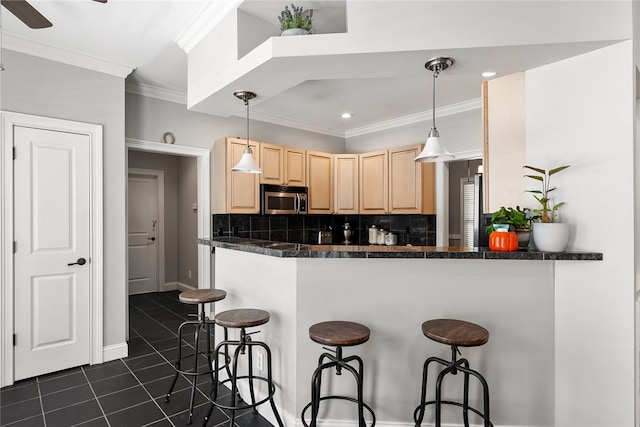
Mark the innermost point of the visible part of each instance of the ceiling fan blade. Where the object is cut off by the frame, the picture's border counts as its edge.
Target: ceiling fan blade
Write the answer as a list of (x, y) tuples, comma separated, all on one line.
[(26, 13)]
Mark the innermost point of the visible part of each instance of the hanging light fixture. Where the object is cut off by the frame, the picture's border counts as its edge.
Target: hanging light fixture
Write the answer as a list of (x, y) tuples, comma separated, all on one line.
[(433, 149), (247, 163)]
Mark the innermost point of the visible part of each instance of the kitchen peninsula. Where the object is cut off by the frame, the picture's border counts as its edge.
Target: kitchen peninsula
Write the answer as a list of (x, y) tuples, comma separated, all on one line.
[(393, 290)]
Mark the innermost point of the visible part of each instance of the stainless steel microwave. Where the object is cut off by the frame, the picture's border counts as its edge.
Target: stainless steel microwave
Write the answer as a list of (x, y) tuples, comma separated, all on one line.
[(280, 199)]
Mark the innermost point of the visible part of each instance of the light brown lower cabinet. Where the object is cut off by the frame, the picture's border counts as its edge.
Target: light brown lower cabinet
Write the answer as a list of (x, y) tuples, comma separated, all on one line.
[(320, 182)]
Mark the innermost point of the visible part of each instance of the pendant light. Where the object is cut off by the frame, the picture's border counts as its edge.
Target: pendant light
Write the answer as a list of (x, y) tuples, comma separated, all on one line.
[(433, 150), (247, 163)]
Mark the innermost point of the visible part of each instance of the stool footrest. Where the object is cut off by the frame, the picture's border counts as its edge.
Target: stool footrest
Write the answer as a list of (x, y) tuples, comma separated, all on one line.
[(350, 399), (247, 405), (448, 402)]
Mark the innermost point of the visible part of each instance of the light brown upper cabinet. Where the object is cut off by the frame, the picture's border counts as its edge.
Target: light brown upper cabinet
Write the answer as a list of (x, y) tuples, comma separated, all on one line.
[(503, 112), (233, 192), (271, 163), (405, 180), (294, 166), (346, 184), (374, 182), (391, 182), (320, 182)]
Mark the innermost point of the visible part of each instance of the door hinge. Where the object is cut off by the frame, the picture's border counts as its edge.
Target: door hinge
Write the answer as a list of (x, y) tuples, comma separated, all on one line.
[(15, 339), (14, 153), (15, 246)]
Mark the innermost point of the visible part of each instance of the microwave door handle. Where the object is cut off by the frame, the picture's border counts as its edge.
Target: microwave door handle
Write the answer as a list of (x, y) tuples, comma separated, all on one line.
[(296, 203)]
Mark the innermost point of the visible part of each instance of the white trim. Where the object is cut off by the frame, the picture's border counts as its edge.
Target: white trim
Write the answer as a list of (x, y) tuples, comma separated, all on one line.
[(9, 120), (115, 351), (66, 56), (297, 124), (184, 287), (156, 92), (207, 19), (169, 286), (204, 206), (158, 175)]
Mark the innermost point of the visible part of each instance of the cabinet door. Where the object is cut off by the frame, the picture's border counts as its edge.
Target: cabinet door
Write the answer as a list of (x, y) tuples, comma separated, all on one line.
[(374, 182), (428, 188), (271, 163), (320, 182), (294, 167), (504, 141), (346, 184), (405, 180), (242, 188)]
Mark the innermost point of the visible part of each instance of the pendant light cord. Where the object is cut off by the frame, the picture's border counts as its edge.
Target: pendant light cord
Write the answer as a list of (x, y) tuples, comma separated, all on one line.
[(435, 74), (246, 102)]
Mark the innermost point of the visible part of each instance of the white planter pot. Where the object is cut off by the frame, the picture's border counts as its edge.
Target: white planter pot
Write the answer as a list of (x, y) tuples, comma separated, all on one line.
[(550, 237), (294, 32)]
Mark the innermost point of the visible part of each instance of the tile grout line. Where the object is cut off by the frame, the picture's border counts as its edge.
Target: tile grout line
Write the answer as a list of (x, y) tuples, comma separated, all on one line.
[(44, 419), (95, 396)]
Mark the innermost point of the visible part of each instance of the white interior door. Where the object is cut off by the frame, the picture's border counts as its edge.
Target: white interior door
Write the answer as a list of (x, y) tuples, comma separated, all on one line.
[(52, 286), (143, 220)]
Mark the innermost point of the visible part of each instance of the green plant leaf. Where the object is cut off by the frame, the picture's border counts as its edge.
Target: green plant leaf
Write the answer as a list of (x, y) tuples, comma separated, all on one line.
[(558, 169), (534, 191), (542, 171), (536, 177)]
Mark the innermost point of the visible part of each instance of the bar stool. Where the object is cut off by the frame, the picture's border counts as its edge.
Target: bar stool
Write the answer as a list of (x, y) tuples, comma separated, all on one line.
[(242, 319), (200, 297), (456, 333), (337, 334)]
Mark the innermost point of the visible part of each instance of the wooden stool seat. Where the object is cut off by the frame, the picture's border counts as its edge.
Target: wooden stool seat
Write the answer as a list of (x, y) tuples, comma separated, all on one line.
[(455, 332), (242, 318), (339, 333), (202, 296)]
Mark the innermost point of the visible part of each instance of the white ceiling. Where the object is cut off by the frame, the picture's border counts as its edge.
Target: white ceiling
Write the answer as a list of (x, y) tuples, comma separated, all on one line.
[(140, 35)]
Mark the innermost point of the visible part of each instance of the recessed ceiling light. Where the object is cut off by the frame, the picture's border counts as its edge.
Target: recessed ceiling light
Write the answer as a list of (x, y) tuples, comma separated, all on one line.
[(488, 74), (346, 115)]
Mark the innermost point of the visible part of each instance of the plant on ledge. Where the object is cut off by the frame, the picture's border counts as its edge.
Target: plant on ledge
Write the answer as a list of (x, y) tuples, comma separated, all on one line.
[(295, 18), (516, 219), (546, 212)]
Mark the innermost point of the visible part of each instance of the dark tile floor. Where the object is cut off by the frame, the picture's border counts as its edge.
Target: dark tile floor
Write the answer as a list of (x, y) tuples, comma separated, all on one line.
[(126, 392)]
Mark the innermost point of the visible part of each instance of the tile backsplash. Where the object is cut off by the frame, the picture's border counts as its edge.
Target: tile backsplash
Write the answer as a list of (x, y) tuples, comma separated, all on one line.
[(413, 229)]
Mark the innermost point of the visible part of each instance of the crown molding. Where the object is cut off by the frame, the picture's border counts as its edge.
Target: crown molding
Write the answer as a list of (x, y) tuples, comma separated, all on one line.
[(207, 19), (424, 116), (283, 121), (156, 92), (65, 56)]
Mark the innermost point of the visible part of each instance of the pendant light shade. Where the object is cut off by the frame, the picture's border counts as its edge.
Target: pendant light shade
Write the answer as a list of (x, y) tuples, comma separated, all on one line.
[(247, 163), (434, 150)]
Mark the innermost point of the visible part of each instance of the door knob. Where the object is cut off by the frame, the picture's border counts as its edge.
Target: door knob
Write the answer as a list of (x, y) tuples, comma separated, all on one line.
[(153, 239), (81, 261)]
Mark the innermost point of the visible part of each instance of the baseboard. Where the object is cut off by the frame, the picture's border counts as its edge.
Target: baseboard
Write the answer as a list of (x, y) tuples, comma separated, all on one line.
[(170, 286), (113, 352), (183, 287)]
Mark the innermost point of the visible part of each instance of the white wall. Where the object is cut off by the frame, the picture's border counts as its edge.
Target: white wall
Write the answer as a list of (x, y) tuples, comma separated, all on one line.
[(459, 133), (581, 112), (38, 86), (148, 119)]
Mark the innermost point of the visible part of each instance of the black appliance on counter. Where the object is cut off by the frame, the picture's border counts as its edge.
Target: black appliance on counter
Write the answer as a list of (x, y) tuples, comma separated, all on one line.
[(282, 199)]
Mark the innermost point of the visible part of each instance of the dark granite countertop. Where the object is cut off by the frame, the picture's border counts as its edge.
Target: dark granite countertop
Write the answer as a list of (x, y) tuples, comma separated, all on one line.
[(299, 250)]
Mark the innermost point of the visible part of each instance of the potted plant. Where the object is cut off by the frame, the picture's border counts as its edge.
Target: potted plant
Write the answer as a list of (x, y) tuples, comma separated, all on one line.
[(548, 235), (513, 219), (295, 21)]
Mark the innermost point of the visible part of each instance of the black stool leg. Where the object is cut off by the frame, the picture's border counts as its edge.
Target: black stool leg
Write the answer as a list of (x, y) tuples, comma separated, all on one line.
[(418, 414), (270, 383), (445, 371), (465, 401), (485, 394), (178, 361)]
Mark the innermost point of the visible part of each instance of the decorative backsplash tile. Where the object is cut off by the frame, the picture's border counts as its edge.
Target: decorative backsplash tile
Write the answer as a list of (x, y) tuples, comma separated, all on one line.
[(413, 229)]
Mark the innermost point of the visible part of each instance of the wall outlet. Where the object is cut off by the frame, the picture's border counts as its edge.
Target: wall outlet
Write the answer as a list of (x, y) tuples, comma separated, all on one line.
[(259, 361), (189, 274)]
